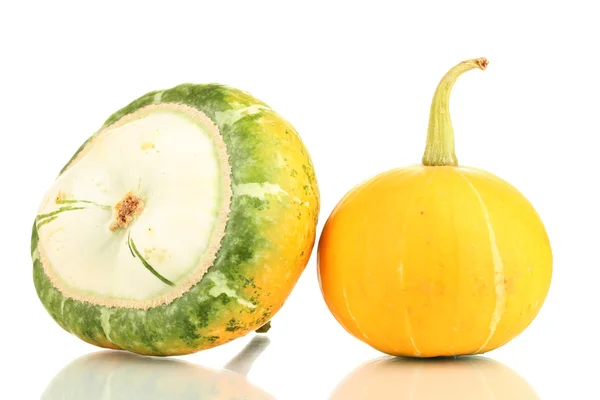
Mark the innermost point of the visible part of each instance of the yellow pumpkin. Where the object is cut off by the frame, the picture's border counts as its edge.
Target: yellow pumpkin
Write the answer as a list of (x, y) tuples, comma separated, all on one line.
[(435, 259), (467, 378)]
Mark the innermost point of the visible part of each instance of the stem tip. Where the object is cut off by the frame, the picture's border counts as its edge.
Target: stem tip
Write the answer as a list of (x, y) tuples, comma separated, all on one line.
[(482, 63)]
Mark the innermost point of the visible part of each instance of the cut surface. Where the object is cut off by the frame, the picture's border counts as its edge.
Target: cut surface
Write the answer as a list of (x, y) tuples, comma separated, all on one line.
[(137, 217)]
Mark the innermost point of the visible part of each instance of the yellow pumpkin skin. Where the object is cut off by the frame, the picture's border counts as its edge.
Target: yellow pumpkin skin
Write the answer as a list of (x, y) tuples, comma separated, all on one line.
[(434, 261)]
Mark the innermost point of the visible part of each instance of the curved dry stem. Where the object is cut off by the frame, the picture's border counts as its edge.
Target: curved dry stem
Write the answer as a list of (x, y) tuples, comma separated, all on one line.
[(439, 149)]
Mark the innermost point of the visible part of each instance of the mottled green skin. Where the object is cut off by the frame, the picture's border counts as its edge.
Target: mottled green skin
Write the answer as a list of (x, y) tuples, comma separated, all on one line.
[(193, 321)]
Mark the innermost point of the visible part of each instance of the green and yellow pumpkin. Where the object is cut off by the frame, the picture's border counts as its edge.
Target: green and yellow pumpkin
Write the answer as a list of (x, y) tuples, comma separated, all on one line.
[(182, 224)]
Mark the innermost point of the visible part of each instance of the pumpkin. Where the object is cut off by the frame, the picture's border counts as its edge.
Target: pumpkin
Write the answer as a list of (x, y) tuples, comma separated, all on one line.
[(436, 258), (183, 223), (123, 375), (465, 378)]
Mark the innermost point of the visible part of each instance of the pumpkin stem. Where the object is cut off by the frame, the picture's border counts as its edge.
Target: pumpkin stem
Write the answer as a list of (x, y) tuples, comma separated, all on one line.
[(439, 149), (265, 328)]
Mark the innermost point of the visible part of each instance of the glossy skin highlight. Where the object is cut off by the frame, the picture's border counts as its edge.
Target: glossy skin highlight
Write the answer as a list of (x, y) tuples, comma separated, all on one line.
[(434, 261)]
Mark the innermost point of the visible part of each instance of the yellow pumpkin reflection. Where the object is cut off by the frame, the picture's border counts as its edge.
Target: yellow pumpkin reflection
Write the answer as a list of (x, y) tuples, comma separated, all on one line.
[(464, 378)]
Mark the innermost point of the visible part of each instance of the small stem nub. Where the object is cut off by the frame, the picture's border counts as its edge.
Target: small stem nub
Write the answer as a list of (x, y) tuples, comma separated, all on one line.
[(265, 328), (439, 149)]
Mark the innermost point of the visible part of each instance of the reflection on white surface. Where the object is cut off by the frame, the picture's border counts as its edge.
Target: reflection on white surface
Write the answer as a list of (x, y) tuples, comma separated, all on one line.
[(464, 378), (110, 375)]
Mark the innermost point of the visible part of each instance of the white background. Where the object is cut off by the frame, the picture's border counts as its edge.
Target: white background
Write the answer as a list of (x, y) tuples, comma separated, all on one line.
[(356, 80)]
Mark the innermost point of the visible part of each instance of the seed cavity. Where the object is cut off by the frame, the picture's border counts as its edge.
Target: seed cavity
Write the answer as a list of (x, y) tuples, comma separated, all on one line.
[(126, 210)]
